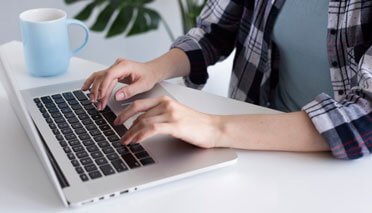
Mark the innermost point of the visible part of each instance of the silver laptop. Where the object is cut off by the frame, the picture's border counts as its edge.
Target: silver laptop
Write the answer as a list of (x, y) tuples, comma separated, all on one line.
[(80, 148)]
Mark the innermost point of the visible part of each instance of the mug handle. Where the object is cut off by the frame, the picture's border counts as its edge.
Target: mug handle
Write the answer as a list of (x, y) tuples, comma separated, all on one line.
[(86, 30)]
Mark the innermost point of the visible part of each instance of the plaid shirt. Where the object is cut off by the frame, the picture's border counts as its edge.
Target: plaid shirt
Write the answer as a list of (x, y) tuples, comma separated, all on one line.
[(345, 121)]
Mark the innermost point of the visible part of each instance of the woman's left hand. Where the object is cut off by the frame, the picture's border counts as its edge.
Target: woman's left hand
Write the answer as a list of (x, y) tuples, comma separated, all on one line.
[(166, 116)]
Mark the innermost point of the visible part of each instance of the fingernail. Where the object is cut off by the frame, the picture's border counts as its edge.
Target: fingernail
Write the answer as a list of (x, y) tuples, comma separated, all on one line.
[(120, 96)]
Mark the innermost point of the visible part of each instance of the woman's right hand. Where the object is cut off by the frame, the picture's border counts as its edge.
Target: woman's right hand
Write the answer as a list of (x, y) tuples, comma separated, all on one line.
[(139, 78)]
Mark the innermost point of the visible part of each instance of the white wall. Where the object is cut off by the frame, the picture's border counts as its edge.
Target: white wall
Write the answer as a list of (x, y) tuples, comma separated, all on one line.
[(140, 48)]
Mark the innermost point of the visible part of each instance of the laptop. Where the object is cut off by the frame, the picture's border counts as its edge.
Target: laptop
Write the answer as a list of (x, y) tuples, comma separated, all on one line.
[(81, 149)]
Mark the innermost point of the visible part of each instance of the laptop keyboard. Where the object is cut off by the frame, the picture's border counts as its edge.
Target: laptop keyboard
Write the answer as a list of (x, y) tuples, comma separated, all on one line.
[(88, 137)]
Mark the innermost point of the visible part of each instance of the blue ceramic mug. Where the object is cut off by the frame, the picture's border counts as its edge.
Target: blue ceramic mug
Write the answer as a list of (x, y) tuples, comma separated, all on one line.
[(46, 41)]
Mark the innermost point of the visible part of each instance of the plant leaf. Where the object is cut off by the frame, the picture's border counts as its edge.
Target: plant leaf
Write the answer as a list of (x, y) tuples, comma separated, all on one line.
[(71, 1), (103, 18), (146, 20), (121, 22), (86, 12)]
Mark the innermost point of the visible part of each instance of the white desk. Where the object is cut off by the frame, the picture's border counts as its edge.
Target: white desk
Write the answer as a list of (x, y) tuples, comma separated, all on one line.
[(259, 182)]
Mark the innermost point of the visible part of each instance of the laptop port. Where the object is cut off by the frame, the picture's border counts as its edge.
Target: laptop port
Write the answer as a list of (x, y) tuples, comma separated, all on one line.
[(123, 192)]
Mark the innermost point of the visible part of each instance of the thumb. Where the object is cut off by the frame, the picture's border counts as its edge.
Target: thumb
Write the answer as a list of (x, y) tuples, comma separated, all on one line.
[(129, 91)]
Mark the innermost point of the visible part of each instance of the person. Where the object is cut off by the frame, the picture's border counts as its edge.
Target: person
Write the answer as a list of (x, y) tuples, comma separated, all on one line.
[(312, 59)]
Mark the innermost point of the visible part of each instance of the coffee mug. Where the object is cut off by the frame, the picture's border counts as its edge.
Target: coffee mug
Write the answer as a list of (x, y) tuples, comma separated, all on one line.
[(46, 41)]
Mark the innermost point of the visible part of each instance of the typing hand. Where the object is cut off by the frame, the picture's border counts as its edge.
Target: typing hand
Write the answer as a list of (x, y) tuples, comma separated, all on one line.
[(166, 116), (138, 76)]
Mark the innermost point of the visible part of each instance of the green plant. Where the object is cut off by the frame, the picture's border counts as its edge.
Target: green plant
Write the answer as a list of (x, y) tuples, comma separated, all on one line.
[(133, 17)]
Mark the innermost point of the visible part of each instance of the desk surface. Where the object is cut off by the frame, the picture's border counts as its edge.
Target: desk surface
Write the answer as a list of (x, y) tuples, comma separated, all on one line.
[(259, 182)]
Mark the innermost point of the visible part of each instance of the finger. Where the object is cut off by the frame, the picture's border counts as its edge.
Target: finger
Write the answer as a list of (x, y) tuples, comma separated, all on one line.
[(130, 90), (138, 134), (114, 72), (136, 107), (88, 82), (155, 111), (106, 98), (94, 89)]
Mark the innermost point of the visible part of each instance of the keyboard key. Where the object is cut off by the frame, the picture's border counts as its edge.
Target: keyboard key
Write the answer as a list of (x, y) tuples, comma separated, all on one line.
[(88, 142), (99, 138), (70, 136), (112, 156), (97, 154), (42, 110), (123, 150), (76, 107), (93, 112), (79, 111), (131, 161), (86, 102), (136, 148), (71, 156), (95, 174), (46, 99), (100, 122), (120, 129), (53, 110), (59, 137), (90, 127), (36, 100), (80, 131), (63, 143), (147, 161), (119, 165), (103, 144), (49, 120), (56, 131), (110, 133), (56, 115), (75, 163), (66, 131), (141, 155), (89, 107), (63, 105), (112, 137), (107, 169), (80, 95), (101, 161), (50, 105), (84, 177), (59, 101), (60, 120), (110, 116), (105, 127), (67, 149), (90, 167), (86, 161), (87, 121), (68, 95), (78, 148), (92, 148), (69, 115), (108, 150), (52, 126), (46, 115), (82, 154), (73, 102), (79, 170), (74, 142), (94, 132), (117, 144), (63, 125), (96, 117), (84, 137), (66, 110), (57, 96), (76, 125), (73, 120)]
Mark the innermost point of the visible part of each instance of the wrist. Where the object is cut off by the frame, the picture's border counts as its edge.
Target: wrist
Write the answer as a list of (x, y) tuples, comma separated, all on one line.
[(218, 122)]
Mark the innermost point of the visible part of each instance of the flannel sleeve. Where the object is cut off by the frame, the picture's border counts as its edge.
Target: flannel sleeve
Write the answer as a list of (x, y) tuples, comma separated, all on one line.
[(347, 124), (212, 39)]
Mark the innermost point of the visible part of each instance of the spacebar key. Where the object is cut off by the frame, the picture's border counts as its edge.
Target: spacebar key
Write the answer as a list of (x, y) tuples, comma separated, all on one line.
[(131, 161)]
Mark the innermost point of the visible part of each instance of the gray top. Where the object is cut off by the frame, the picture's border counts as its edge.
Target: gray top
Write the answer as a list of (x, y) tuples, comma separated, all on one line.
[(304, 66)]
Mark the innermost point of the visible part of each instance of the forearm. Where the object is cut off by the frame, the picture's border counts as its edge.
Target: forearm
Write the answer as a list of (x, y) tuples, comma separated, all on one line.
[(174, 63), (282, 132)]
